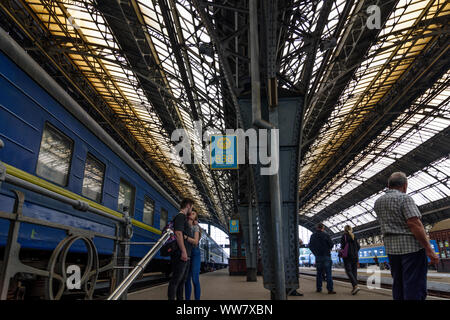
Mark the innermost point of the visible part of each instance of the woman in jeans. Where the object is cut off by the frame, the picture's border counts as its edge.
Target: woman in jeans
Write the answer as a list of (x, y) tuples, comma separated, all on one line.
[(351, 259), (194, 271)]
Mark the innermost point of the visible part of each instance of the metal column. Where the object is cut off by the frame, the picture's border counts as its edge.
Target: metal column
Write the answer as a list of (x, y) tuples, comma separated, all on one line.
[(249, 229), (123, 256), (279, 292)]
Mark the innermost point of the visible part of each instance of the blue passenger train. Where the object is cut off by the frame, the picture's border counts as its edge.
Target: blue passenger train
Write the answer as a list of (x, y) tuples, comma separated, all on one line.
[(366, 255), (51, 142), (307, 258)]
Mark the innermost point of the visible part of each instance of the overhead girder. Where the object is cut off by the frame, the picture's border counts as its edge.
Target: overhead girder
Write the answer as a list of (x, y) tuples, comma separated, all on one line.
[(431, 150), (352, 48), (28, 30), (431, 213), (138, 55), (227, 26), (218, 40), (313, 46), (426, 69), (124, 21)]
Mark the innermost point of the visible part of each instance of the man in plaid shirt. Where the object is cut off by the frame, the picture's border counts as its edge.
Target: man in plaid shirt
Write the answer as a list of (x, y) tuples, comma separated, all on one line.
[(405, 240)]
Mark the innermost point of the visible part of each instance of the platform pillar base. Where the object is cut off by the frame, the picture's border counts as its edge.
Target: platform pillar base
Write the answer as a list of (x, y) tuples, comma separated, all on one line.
[(251, 275)]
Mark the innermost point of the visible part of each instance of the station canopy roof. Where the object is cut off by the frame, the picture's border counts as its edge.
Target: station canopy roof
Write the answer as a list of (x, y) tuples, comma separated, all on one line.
[(82, 30), (156, 67), (398, 46)]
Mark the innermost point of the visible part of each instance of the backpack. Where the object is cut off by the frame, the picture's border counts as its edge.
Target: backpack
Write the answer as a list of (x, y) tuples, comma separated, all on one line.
[(171, 244)]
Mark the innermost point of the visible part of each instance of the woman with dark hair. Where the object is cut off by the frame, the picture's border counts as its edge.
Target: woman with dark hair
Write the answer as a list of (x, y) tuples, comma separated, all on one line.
[(349, 253), (194, 271)]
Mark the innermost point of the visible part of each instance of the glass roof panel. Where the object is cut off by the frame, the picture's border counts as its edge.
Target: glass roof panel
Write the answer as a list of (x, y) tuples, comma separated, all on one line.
[(114, 78)]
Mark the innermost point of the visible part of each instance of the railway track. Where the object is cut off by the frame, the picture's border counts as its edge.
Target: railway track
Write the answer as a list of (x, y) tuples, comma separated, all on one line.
[(147, 281), (431, 292)]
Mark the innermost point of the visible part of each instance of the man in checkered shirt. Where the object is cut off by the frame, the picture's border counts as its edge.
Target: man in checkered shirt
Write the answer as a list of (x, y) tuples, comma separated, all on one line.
[(405, 240)]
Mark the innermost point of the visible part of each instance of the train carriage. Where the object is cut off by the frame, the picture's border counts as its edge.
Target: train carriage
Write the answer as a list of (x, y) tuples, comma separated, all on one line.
[(53, 147), (366, 254)]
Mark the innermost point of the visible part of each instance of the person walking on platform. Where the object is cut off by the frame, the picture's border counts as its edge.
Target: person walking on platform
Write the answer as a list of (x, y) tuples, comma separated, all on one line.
[(349, 253), (194, 270), (180, 258), (405, 240), (320, 245)]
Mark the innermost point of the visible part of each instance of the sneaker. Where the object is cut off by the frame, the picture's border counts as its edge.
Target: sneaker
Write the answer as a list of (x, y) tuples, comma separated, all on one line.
[(332, 292), (355, 290), (319, 290)]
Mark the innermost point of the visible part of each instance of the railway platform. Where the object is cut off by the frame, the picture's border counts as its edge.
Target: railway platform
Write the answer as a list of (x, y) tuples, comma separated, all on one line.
[(437, 282), (219, 285)]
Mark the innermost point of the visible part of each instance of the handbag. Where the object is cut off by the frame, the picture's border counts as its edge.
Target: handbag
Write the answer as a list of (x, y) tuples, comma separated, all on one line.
[(343, 253)]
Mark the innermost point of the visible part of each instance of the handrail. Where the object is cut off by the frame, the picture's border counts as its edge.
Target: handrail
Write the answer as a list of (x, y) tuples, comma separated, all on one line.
[(78, 204), (126, 283), (88, 206)]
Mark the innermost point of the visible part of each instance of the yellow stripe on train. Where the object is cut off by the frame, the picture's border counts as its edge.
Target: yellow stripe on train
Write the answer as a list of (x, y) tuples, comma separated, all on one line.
[(54, 188)]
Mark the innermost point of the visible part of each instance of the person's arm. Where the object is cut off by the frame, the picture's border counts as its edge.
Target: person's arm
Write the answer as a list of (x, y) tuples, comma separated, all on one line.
[(179, 234), (180, 242), (312, 246), (330, 242), (342, 242), (194, 240), (412, 215), (416, 227)]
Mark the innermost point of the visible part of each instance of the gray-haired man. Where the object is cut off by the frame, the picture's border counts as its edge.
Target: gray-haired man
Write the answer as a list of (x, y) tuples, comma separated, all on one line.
[(405, 240)]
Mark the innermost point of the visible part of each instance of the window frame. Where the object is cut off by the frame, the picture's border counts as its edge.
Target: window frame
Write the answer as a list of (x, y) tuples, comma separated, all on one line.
[(160, 216), (47, 124), (130, 212), (146, 197), (89, 154)]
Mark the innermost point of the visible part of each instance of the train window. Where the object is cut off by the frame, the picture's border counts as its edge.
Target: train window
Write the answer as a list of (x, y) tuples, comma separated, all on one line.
[(163, 218), (55, 154), (94, 171), (149, 210), (126, 197)]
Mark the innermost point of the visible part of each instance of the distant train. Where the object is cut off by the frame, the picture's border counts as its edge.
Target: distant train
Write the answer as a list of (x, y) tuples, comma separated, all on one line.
[(366, 255), (307, 258), (52, 144)]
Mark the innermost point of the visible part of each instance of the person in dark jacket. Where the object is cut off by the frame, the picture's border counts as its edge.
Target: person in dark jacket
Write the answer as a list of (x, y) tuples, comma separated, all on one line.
[(320, 245), (350, 257)]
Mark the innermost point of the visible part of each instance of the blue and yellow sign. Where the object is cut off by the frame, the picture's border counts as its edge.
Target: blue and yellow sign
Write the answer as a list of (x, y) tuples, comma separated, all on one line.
[(234, 226), (224, 152)]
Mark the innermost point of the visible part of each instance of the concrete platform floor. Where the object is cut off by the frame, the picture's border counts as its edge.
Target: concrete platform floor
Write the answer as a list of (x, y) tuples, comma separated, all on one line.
[(431, 275), (219, 285)]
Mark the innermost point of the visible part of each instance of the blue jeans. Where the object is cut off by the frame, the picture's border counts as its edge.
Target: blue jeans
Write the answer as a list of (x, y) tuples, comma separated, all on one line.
[(409, 273), (323, 264), (193, 275)]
